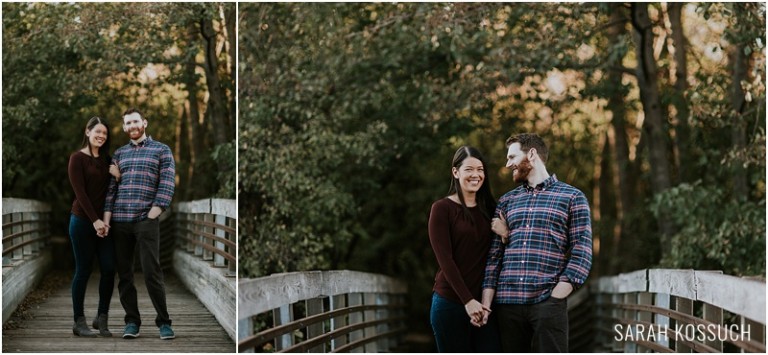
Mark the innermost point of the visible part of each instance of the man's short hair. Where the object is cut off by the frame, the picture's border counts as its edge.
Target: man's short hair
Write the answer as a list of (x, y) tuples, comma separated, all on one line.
[(528, 141), (133, 110)]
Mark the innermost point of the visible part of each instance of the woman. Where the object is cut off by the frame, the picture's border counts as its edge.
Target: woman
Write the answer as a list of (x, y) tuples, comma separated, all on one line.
[(460, 234), (89, 174)]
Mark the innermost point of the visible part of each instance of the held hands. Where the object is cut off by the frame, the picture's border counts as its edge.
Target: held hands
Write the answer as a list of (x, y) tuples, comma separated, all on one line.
[(499, 226), (102, 229), (477, 312)]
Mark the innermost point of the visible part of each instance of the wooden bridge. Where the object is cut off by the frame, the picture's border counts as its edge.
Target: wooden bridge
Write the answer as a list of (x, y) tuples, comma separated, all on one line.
[(650, 310), (198, 258)]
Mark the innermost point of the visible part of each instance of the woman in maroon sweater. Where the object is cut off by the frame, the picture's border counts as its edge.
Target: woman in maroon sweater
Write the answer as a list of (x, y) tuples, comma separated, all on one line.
[(460, 234), (89, 174)]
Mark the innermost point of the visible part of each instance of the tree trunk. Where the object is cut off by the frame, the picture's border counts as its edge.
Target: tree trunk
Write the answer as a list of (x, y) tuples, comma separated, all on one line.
[(605, 210), (738, 132), (620, 145), (683, 129), (217, 101), (183, 156), (654, 124), (192, 108), (230, 17)]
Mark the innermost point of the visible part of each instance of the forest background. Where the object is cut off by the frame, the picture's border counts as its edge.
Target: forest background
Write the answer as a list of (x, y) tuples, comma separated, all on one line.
[(350, 114), (66, 62)]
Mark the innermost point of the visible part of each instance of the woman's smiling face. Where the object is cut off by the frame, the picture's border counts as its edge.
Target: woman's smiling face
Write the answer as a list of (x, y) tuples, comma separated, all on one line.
[(97, 135), (471, 174)]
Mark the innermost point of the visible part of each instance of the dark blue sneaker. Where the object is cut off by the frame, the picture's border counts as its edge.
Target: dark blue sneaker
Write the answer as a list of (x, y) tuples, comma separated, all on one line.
[(166, 332), (131, 331)]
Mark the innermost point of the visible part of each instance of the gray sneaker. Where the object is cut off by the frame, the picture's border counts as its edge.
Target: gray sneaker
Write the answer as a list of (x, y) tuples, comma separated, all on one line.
[(131, 331), (166, 332)]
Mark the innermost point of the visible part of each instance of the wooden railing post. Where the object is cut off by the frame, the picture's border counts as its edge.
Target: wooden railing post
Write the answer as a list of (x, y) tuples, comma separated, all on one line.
[(200, 239), (714, 315), (685, 306), (218, 260), (630, 298), (18, 254), (245, 328), (383, 343), (315, 307), (371, 347), (232, 237), (663, 300), (616, 313), (338, 302), (283, 315), (755, 330), (644, 299), (356, 299), (7, 219), (30, 236)]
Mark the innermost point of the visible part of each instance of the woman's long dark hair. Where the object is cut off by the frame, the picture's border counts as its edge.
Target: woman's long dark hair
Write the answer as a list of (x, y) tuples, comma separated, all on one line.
[(485, 198), (104, 149)]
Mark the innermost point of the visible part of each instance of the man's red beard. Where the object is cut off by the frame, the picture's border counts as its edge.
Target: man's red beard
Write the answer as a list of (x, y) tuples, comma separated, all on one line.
[(523, 169)]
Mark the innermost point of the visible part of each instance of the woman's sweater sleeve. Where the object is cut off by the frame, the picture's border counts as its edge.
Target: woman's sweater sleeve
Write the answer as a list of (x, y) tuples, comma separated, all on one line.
[(440, 238), (76, 172)]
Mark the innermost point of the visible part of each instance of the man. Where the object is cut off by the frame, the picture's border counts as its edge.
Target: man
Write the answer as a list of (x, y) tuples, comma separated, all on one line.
[(547, 252), (133, 206)]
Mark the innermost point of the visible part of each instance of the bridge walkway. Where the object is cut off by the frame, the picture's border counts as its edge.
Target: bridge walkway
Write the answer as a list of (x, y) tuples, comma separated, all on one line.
[(47, 325)]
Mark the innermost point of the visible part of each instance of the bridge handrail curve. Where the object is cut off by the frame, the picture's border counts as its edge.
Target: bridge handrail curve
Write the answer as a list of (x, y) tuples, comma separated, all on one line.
[(335, 308), (206, 228), (26, 228), (665, 298)]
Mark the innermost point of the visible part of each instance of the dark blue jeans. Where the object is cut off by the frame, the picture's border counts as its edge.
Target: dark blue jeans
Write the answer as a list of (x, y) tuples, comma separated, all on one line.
[(146, 236), (86, 246), (454, 333)]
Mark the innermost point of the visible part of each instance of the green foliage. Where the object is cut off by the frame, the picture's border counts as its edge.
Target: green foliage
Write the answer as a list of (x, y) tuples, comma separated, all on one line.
[(716, 231), (224, 155)]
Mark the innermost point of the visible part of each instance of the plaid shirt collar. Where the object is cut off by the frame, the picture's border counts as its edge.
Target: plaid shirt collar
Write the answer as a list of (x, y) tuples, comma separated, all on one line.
[(551, 180), (140, 144)]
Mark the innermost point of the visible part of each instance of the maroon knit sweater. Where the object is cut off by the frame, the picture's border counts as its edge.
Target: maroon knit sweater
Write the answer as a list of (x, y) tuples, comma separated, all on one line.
[(89, 178), (461, 249)]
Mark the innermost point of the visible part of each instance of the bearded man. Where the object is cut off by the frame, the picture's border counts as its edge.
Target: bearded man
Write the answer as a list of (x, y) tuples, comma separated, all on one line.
[(133, 205), (545, 251)]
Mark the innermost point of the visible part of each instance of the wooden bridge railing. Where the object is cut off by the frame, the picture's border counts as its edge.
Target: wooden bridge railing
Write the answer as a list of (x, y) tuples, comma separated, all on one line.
[(25, 228), (321, 311), (206, 255), (206, 228), (26, 234), (680, 311)]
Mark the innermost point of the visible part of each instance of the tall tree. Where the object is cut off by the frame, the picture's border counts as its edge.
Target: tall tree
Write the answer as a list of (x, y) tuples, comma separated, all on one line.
[(617, 105), (217, 103), (682, 112), (654, 124)]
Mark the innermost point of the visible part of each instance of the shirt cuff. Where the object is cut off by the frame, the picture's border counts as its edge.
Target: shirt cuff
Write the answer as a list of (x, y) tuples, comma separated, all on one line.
[(575, 282)]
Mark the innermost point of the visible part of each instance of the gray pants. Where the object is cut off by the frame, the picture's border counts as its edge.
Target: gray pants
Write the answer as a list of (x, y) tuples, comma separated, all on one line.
[(145, 234)]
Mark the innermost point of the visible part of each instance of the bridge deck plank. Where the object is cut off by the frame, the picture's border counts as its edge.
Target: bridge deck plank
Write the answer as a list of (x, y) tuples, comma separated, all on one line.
[(50, 326)]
